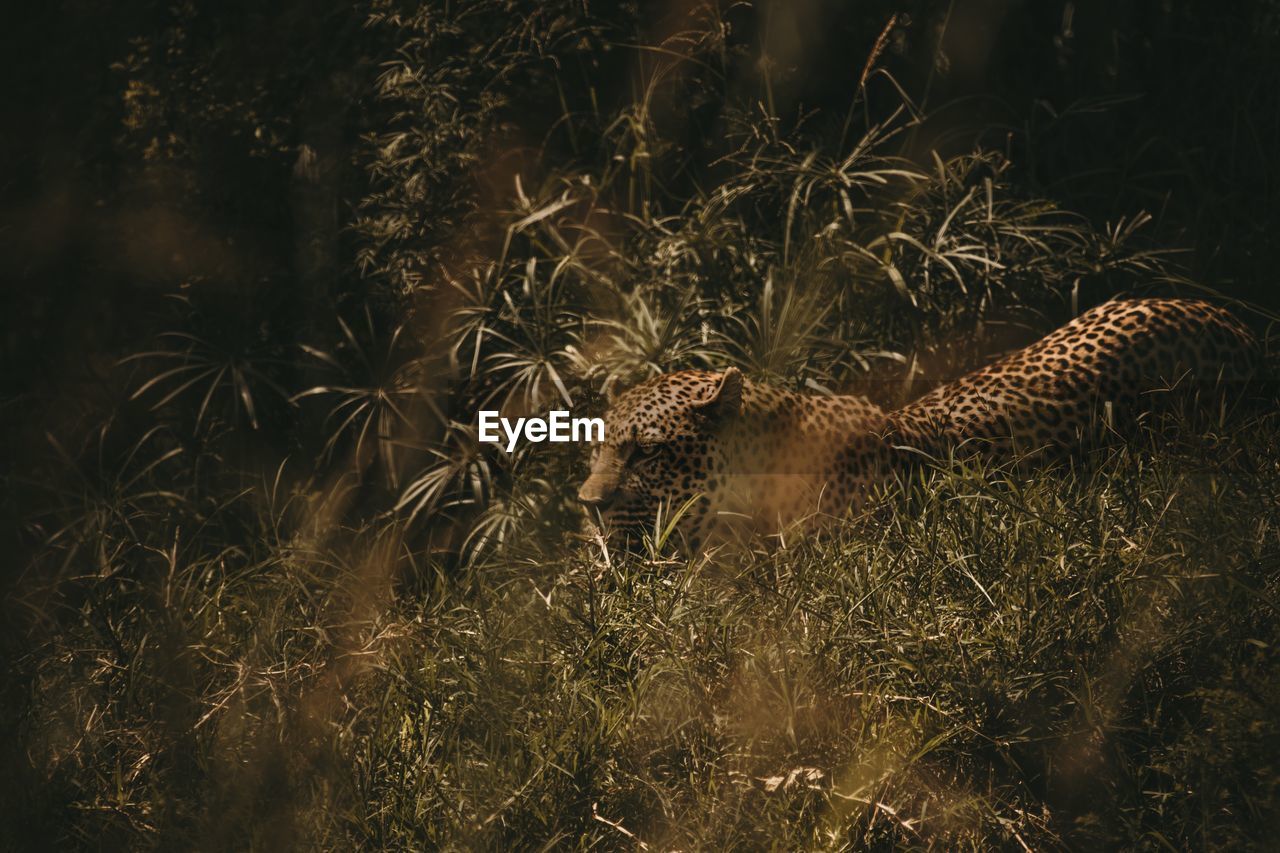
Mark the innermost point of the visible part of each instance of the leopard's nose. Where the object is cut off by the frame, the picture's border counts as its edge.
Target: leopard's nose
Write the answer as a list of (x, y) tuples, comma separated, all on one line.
[(593, 497)]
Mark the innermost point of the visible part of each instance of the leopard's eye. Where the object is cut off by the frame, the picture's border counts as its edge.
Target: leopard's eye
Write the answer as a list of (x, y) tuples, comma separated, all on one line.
[(643, 452)]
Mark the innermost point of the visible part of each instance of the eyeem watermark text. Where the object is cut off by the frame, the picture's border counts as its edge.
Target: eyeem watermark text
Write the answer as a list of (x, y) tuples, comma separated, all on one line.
[(559, 427)]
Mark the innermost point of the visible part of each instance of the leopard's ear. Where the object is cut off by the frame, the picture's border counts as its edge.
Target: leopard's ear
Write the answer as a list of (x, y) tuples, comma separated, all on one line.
[(726, 399)]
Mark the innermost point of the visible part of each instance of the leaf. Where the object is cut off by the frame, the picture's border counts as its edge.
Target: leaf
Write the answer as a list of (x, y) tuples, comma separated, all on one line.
[(539, 215)]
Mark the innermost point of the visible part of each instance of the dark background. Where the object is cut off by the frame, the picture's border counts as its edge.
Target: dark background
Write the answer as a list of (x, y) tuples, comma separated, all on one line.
[(148, 144)]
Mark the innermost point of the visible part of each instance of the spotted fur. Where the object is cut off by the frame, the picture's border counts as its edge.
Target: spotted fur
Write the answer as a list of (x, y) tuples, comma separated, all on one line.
[(743, 452), (1101, 369), (749, 455)]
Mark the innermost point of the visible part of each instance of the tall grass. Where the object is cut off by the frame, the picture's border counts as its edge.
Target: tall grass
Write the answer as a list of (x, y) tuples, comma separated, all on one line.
[(1079, 659)]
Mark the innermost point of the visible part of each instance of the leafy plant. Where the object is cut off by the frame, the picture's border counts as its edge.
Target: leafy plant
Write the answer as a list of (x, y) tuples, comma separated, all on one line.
[(376, 410), (225, 372)]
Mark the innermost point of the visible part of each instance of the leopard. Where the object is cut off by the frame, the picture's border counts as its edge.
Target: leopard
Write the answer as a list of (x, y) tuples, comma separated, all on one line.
[(724, 457)]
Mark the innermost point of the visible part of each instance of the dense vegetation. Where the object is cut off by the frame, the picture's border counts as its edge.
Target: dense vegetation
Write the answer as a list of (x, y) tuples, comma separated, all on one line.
[(267, 589)]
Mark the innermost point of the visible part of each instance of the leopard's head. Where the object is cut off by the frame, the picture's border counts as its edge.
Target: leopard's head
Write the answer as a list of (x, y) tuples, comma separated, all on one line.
[(662, 449)]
